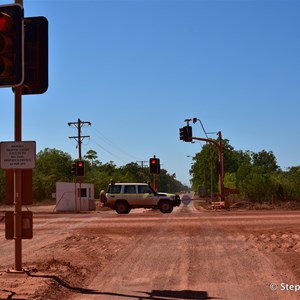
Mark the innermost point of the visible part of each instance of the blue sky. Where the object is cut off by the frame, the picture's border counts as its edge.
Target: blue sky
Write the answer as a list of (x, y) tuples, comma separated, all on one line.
[(137, 69)]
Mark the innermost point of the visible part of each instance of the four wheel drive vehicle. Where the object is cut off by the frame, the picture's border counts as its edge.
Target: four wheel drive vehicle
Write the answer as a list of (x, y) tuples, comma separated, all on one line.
[(122, 197)]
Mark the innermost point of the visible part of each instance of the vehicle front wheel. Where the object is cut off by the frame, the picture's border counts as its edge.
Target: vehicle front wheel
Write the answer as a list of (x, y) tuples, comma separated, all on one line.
[(122, 207), (165, 206)]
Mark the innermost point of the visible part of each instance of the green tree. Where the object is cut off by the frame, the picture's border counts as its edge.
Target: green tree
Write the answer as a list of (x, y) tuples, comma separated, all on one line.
[(107, 173), (92, 157), (204, 167), (203, 163), (266, 160), (253, 182), (256, 175), (288, 184), (52, 165), (133, 172)]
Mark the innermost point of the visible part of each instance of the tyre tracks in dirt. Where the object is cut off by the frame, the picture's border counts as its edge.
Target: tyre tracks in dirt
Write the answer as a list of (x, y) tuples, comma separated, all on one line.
[(188, 254), (197, 255)]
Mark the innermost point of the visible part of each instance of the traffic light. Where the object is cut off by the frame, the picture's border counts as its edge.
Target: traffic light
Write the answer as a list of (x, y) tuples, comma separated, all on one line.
[(181, 134), (35, 56), (79, 168), (186, 133), (154, 165), (11, 45), (73, 169)]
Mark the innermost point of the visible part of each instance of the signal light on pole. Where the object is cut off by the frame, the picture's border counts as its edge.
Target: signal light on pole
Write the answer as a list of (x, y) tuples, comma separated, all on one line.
[(73, 169), (189, 133), (186, 133), (79, 168), (181, 134), (11, 45), (35, 56), (154, 164)]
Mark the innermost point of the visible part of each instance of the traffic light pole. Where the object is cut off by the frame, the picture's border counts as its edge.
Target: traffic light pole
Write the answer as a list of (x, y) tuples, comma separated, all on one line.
[(80, 183), (18, 178), (154, 182), (18, 185)]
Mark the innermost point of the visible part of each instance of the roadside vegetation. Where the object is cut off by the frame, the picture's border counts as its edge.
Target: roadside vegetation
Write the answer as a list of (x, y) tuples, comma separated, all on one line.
[(256, 175), (54, 165)]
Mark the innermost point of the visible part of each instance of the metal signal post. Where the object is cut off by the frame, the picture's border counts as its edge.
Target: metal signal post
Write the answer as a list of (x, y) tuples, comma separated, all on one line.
[(18, 178)]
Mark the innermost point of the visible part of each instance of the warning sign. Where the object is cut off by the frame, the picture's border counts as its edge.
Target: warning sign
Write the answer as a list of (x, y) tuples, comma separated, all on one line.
[(18, 155)]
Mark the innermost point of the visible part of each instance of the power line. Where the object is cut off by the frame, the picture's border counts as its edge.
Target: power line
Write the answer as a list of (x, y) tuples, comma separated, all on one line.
[(107, 151), (112, 144)]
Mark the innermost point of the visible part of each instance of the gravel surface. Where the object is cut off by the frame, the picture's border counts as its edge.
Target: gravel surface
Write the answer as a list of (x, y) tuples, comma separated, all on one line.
[(188, 254)]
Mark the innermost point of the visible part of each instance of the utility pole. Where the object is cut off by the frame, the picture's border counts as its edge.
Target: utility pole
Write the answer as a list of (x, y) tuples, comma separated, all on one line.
[(79, 124), (142, 163)]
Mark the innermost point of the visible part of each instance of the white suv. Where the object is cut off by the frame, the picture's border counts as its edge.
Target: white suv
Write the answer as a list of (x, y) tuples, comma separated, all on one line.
[(122, 197)]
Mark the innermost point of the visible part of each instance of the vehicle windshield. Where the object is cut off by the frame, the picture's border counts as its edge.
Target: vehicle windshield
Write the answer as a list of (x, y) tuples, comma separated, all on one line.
[(114, 189), (145, 189)]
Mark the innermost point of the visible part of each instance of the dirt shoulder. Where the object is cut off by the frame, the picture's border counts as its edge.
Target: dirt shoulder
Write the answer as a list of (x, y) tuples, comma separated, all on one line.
[(64, 265)]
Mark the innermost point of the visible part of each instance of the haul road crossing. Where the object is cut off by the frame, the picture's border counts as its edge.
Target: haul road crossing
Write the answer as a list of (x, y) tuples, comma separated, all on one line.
[(191, 253)]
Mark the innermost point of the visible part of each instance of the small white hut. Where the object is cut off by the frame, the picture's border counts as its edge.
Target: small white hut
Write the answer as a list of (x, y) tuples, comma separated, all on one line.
[(72, 196)]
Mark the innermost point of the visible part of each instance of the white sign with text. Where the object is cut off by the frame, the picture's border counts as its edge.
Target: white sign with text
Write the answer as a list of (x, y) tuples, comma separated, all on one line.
[(18, 155)]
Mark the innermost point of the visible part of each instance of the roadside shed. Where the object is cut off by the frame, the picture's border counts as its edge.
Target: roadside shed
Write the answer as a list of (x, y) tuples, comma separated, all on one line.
[(72, 196)]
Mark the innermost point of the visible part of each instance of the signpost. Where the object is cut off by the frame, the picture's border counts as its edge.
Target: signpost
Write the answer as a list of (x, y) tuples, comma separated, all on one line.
[(17, 158)]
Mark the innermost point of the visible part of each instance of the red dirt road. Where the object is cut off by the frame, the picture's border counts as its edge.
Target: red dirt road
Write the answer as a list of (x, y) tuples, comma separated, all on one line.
[(188, 254)]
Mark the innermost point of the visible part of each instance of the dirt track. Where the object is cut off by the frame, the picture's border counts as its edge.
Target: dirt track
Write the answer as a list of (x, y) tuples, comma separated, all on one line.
[(188, 254)]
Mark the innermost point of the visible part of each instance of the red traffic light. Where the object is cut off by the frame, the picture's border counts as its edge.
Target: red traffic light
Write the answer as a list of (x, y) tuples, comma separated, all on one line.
[(154, 165), (5, 22), (79, 168), (11, 45)]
